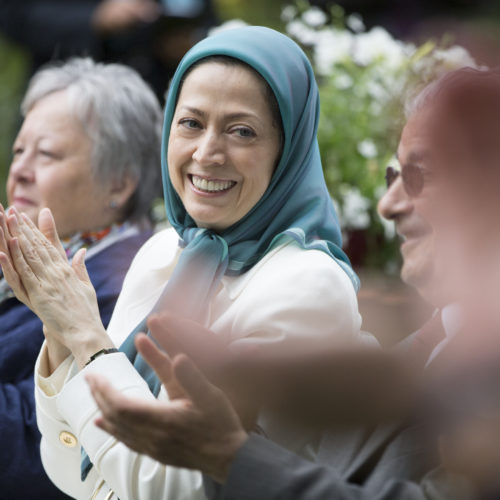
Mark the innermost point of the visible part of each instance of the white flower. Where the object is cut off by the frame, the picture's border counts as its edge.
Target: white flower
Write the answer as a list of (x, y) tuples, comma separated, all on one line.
[(228, 25), (288, 13), (455, 57), (302, 33), (332, 46), (367, 148), (355, 22), (355, 209), (378, 43), (314, 17), (344, 81), (377, 91)]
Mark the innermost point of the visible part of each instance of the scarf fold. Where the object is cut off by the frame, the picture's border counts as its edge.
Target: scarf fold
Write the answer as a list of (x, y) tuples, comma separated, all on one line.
[(296, 205)]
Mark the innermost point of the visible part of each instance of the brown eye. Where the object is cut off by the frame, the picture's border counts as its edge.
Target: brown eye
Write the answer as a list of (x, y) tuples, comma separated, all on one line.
[(244, 132), (190, 123)]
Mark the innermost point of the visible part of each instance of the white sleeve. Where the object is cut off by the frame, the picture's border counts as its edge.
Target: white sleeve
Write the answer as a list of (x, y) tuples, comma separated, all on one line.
[(59, 447), (129, 474)]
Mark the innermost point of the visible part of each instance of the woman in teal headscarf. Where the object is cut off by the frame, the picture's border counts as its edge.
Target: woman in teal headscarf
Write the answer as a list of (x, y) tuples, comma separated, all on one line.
[(254, 254)]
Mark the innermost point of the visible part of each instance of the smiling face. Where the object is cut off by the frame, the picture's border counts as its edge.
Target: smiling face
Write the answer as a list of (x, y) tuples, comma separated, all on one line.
[(223, 145), (413, 217), (51, 167)]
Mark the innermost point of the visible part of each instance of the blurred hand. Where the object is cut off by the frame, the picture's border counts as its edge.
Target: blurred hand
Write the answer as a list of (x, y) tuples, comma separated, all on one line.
[(303, 382), (113, 16), (197, 429), (472, 450)]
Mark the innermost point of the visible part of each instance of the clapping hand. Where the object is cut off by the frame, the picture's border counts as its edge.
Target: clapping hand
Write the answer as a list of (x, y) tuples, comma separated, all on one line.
[(59, 293), (197, 429)]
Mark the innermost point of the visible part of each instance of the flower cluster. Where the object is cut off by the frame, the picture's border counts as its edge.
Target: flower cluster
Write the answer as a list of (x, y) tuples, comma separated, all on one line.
[(364, 78)]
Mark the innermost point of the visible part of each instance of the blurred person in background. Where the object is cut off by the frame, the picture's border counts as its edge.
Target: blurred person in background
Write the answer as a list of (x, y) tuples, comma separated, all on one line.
[(254, 254), (151, 36), (88, 149), (443, 201)]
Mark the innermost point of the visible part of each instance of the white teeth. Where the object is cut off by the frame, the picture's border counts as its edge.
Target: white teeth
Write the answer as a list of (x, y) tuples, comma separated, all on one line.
[(211, 186)]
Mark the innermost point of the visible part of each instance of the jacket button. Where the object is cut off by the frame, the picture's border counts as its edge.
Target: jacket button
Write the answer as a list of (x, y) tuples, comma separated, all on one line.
[(68, 439)]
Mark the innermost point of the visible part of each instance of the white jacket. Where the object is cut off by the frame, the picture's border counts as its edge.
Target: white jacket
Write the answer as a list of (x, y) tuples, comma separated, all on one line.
[(290, 295)]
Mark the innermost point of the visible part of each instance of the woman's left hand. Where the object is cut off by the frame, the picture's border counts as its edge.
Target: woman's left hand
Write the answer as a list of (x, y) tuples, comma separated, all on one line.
[(59, 293)]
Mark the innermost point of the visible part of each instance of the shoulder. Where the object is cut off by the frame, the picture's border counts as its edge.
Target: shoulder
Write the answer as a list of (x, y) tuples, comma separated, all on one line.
[(290, 267), (299, 291), (150, 270), (159, 250)]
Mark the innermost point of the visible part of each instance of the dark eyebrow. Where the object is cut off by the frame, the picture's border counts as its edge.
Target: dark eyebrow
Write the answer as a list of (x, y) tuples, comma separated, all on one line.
[(229, 116)]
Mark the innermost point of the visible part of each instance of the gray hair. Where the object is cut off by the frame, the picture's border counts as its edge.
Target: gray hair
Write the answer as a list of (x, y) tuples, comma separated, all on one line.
[(120, 114)]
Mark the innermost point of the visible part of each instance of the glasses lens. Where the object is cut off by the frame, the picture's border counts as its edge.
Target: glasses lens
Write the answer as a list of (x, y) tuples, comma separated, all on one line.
[(391, 174), (413, 180)]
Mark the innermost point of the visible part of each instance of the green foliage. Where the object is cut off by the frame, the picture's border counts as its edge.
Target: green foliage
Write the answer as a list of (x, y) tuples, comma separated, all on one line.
[(13, 76)]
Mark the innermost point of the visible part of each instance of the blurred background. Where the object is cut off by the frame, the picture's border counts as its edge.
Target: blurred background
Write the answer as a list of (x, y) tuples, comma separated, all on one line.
[(368, 55)]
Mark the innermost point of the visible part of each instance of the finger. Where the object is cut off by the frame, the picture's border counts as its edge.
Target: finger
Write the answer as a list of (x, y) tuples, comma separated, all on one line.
[(47, 227), (4, 247), (102, 392), (31, 246), (119, 414), (164, 329), (13, 279), (24, 271), (5, 231), (179, 335), (193, 382), (45, 249), (155, 358), (12, 224), (78, 265)]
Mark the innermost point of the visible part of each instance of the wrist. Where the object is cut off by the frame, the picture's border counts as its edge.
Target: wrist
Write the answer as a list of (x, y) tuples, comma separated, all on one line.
[(223, 464), (85, 346)]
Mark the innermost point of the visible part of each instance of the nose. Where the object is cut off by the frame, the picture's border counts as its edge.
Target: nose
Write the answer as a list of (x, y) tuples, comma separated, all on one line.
[(22, 168), (395, 201), (209, 150)]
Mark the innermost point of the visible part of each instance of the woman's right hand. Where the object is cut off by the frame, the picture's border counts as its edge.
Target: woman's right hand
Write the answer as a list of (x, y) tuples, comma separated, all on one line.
[(59, 293), (57, 352)]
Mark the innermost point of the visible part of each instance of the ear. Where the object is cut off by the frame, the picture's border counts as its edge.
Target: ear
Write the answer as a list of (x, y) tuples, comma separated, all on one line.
[(120, 191)]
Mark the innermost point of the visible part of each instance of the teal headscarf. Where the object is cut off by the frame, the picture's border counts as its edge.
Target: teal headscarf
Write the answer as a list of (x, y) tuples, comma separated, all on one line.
[(296, 205)]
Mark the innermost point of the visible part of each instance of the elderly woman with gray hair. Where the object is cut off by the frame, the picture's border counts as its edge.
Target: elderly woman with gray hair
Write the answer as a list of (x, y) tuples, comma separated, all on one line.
[(88, 149)]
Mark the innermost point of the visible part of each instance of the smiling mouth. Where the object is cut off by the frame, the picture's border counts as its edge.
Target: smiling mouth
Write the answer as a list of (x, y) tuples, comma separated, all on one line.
[(210, 185)]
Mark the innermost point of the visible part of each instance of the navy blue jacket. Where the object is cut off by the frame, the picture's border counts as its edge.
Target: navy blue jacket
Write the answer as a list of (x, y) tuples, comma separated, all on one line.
[(21, 472)]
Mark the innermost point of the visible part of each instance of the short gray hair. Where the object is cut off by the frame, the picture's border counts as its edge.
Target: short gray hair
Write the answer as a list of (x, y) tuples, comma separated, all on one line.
[(122, 117)]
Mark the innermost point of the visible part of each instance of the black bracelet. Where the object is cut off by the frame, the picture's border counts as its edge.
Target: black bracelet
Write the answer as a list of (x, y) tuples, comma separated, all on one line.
[(100, 353)]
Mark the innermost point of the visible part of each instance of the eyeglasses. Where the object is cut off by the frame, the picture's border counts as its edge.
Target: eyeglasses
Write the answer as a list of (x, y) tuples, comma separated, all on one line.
[(412, 176)]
